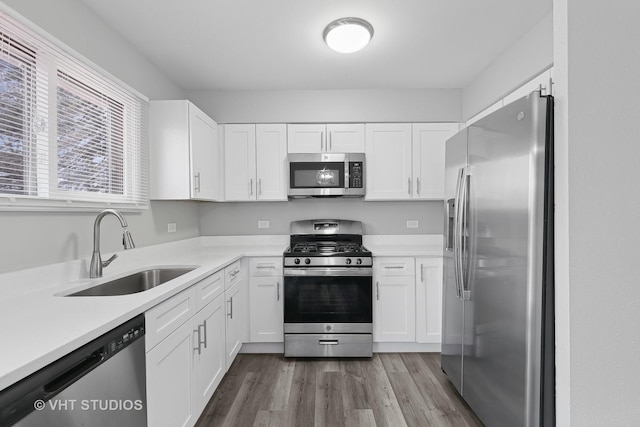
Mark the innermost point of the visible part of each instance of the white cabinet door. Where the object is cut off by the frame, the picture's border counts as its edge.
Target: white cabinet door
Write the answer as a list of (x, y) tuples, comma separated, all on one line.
[(429, 299), (169, 380), (394, 309), (236, 320), (306, 138), (266, 309), (271, 162), (388, 150), (204, 153), (185, 153), (209, 362), (240, 162), (345, 138), (428, 159)]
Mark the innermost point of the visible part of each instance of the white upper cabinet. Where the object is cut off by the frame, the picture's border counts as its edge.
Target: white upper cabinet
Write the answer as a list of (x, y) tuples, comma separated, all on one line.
[(428, 159), (329, 138), (406, 161), (255, 162), (185, 155), (389, 161)]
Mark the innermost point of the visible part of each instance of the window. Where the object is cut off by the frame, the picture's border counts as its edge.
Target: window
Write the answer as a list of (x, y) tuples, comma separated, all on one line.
[(69, 135)]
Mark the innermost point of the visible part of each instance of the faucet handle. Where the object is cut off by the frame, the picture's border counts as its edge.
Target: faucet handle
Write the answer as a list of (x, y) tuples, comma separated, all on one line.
[(109, 261)]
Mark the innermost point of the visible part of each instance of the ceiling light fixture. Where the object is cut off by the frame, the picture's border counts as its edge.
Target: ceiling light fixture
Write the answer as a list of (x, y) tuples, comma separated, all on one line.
[(347, 35)]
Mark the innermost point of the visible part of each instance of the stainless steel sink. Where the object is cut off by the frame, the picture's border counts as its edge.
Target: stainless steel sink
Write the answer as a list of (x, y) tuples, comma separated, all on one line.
[(137, 282)]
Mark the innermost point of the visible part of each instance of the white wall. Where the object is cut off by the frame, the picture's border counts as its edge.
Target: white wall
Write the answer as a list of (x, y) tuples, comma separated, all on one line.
[(526, 58), (598, 208), (327, 106), (30, 239)]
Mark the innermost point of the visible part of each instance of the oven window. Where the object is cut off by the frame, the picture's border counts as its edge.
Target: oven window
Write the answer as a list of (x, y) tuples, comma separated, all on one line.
[(318, 299), (317, 174)]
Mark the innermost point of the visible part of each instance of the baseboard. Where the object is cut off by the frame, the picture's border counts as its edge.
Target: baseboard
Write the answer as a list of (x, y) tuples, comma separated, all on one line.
[(378, 347)]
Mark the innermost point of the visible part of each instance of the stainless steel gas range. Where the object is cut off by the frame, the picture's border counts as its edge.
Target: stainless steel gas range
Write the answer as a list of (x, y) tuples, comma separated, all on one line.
[(328, 292)]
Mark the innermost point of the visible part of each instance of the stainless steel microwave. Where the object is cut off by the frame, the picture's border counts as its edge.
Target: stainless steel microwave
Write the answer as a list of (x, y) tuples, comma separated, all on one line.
[(326, 175)]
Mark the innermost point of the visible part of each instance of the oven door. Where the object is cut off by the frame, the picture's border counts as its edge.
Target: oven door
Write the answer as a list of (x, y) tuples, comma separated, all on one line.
[(335, 300)]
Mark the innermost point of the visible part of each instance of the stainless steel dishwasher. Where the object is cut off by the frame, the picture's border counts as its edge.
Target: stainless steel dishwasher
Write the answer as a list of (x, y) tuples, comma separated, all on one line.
[(100, 384)]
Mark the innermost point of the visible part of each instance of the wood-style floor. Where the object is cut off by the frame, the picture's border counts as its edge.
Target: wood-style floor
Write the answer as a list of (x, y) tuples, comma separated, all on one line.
[(390, 389)]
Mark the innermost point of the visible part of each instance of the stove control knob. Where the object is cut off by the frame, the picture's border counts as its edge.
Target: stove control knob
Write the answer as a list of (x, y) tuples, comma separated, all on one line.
[(296, 261), (307, 261), (359, 261), (347, 261)]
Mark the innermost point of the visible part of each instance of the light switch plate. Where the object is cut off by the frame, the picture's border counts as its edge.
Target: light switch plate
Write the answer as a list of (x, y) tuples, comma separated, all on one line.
[(412, 223), (263, 224), (172, 227)]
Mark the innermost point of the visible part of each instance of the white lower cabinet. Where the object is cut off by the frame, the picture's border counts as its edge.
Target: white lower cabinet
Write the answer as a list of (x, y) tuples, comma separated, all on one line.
[(237, 313), (394, 313), (191, 341), (170, 398), (429, 299), (266, 300)]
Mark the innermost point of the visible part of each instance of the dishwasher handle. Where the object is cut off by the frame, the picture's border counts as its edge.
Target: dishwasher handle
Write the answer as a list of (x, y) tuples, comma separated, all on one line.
[(74, 373)]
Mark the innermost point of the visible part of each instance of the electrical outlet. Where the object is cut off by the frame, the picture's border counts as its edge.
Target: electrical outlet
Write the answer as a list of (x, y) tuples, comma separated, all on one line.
[(172, 227), (412, 224), (263, 224)]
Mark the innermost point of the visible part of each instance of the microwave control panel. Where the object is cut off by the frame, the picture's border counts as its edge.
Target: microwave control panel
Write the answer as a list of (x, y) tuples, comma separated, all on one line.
[(356, 176)]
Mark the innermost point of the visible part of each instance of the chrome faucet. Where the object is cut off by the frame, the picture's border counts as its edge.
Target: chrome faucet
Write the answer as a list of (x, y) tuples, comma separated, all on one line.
[(95, 270)]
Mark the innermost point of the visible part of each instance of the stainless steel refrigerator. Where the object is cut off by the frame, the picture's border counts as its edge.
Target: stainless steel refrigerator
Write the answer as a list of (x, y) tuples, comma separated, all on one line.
[(498, 340)]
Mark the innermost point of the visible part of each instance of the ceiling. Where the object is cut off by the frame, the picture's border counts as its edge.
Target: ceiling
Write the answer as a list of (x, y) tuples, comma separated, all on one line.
[(277, 44)]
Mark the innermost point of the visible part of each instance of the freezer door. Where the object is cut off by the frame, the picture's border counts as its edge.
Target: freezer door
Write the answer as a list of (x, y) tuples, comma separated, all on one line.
[(451, 359), (502, 314)]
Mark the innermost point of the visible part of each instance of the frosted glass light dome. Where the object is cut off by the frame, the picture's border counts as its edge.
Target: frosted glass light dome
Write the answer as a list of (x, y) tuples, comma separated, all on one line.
[(347, 35)]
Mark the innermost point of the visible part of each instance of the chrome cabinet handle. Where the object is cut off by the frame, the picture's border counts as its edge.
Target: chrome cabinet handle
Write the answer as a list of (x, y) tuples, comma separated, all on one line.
[(251, 187), (409, 186), (321, 141), (418, 186), (278, 291), (394, 267), (422, 273), (234, 273), (199, 341), (267, 266), (204, 327), (330, 142), (230, 313), (377, 291), (196, 183), (259, 186)]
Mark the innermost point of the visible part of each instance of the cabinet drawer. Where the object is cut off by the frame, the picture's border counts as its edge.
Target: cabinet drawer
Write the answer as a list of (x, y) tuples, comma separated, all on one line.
[(232, 274), (394, 266), (271, 266), (209, 288), (166, 317)]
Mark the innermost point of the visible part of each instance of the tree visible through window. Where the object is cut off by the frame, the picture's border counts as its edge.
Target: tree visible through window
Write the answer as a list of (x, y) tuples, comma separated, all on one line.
[(69, 134), (90, 139), (16, 68)]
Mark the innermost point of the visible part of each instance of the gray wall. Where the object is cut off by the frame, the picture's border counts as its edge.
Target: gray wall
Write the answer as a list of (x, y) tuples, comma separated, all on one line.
[(597, 64), (36, 238), (526, 58), (327, 106), (377, 217)]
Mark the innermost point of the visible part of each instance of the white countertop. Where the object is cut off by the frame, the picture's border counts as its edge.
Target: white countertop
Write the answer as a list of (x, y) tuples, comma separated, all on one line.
[(38, 326)]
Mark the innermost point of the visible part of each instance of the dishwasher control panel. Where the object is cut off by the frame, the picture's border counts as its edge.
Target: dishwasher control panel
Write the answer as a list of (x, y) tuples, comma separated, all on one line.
[(129, 336)]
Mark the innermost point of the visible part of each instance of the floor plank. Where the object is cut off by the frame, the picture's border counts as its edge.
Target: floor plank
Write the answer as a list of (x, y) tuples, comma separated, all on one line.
[(388, 389)]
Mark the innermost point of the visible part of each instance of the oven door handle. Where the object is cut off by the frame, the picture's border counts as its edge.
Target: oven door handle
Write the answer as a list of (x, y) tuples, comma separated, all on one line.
[(329, 271)]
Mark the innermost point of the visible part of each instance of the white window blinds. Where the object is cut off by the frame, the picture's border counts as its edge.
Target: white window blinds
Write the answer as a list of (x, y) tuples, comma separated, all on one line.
[(69, 136)]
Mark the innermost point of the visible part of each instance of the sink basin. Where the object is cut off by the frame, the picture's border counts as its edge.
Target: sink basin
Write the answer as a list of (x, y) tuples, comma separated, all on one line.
[(136, 282)]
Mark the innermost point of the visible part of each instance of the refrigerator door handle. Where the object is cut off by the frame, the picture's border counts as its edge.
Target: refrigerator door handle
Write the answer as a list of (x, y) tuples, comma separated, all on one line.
[(465, 256), (457, 232)]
